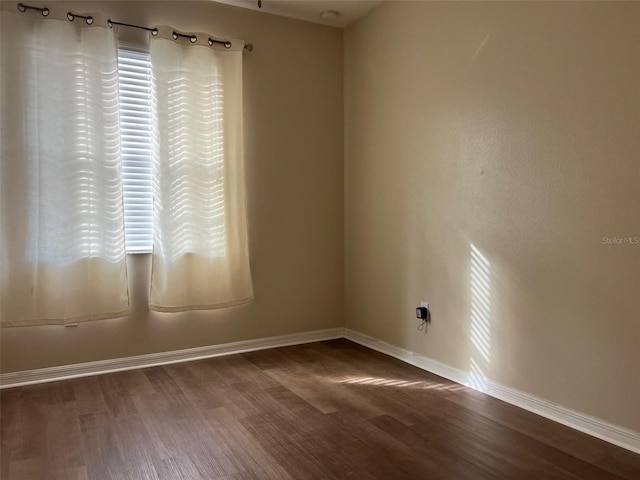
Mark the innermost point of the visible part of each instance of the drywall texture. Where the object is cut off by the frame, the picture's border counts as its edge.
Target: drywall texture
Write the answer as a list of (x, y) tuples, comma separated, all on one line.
[(489, 148), (293, 113)]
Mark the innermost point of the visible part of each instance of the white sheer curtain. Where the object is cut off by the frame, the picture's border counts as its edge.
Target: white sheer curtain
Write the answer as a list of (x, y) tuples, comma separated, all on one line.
[(200, 257), (62, 252)]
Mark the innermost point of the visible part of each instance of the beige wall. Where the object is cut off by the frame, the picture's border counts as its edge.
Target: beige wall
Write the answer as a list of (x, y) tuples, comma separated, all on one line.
[(512, 128), (293, 142)]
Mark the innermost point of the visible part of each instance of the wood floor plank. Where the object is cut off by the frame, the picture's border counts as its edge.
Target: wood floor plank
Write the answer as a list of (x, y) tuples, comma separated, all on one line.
[(180, 437), (374, 452), (623, 463), (65, 453), (29, 441), (552, 433), (448, 463), (178, 468), (117, 398), (255, 460), (27, 469), (102, 455), (10, 402), (286, 451), (328, 411), (137, 448), (88, 395), (200, 393)]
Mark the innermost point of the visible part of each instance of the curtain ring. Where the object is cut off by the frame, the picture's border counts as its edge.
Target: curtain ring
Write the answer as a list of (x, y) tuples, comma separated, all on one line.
[(23, 8), (226, 43), (192, 38), (88, 19)]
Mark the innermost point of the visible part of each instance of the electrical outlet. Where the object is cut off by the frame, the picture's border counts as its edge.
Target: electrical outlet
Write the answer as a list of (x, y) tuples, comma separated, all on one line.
[(423, 312)]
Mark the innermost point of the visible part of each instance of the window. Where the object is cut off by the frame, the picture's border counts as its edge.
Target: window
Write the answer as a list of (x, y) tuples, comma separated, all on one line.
[(134, 77), (111, 151)]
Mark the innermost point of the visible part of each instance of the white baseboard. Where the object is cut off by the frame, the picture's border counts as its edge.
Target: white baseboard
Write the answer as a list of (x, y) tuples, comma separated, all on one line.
[(614, 434), (64, 372)]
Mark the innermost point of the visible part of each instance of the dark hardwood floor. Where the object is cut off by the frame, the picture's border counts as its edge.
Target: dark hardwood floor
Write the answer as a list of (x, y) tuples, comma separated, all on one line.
[(330, 410)]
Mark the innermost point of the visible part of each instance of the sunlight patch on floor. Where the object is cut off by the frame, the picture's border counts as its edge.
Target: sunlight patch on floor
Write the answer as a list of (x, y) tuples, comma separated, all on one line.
[(395, 382)]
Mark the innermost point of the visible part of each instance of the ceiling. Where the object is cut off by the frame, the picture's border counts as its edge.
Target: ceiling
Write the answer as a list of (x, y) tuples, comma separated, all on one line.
[(311, 10)]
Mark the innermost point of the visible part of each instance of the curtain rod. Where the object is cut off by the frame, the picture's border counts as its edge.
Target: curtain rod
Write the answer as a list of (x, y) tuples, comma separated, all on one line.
[(110, 23)]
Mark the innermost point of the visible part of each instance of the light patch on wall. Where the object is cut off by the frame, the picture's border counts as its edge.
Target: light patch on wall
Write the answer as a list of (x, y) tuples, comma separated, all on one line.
[(481, 46), (480, 319)]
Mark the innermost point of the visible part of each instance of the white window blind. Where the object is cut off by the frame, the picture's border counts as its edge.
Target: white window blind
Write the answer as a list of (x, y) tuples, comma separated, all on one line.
[(134, 71)]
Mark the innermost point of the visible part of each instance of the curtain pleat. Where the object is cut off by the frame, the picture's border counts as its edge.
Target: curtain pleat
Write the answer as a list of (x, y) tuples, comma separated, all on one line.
[(200, 252), (63, 251)]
